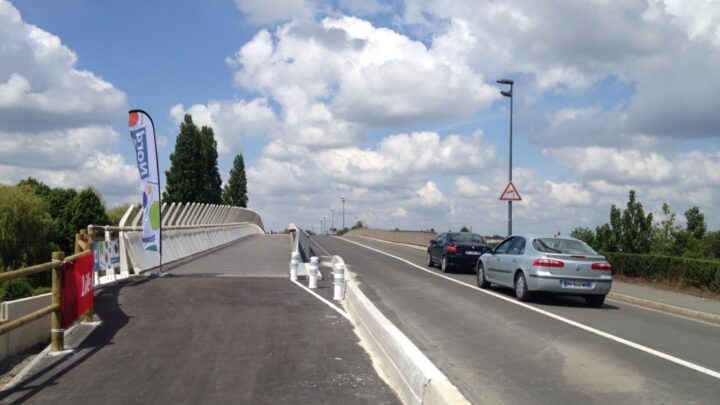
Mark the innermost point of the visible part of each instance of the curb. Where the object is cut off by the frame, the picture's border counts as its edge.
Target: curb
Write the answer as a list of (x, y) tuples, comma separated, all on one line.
[(690, 313)]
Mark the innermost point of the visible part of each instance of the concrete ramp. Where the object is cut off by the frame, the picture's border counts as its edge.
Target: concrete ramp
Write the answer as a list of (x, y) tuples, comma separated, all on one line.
[(252, 256)]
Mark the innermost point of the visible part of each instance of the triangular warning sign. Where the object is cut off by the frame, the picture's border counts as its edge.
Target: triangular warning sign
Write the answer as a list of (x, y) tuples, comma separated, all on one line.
[(510, 193)]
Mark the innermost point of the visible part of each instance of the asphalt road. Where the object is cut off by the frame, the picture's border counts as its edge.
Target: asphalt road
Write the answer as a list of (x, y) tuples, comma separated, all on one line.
[(496, 351), (213, 331)]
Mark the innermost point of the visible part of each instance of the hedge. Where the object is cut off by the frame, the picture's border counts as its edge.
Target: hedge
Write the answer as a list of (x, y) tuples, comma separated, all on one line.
[(703, 274)]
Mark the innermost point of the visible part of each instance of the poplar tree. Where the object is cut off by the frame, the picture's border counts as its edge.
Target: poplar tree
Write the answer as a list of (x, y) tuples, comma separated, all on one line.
[(235, 191), (186, 179), (212, 181)]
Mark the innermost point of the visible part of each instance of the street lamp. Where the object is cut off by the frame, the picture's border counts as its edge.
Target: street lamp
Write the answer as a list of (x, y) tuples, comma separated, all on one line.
[(509, 94), (332, 221), (322, 226), (343, 202)]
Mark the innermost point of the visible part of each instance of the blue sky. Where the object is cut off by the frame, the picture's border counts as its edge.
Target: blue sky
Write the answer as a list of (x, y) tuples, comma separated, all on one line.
[(392, 105)]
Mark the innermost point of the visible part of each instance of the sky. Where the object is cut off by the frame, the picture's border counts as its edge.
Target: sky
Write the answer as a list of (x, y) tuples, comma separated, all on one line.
[(391, 105)]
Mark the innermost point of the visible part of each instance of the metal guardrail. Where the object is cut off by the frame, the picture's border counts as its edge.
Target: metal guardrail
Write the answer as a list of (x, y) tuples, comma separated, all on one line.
[(300, 242)]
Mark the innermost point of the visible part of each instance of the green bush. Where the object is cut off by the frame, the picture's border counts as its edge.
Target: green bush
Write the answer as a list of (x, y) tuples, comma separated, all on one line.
[(15, 289), (703, 274)]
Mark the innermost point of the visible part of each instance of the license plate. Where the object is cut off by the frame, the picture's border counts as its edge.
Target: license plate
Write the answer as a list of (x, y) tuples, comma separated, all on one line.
[(577, 284), (472, 253)]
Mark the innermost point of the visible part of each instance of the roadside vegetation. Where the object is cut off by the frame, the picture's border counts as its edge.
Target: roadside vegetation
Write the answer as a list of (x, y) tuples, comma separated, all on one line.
[(638, 246), (36, 220)]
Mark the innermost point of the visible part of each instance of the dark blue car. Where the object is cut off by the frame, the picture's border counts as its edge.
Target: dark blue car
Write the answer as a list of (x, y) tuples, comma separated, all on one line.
[(456, 250)]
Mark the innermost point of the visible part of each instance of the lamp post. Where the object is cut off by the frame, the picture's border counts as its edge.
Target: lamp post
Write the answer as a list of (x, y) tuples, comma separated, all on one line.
[(343, 203), (510, 95), (332, 220), (322, 226)]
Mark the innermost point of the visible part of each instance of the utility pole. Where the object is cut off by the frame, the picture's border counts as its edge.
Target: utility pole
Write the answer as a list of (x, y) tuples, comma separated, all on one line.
[(343, 204), (510, 95)]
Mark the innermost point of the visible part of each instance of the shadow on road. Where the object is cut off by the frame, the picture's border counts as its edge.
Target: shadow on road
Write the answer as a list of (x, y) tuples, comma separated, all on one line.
[(49, 370)]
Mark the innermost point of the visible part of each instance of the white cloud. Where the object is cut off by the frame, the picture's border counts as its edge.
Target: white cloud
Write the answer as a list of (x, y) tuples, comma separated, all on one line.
[(268, 11), (231, 121), (54, 118), (569, 194), (404, 158), (361, 73), (616, 165), (40, 87)]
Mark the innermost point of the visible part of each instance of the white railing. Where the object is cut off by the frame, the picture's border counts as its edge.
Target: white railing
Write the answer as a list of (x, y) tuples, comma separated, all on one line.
[(187, 229)]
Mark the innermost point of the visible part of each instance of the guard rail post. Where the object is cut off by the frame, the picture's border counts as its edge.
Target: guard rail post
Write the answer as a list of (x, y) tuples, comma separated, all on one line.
[(294, 262), (89, 315), (57, 333), (313, 272), (339, 281)]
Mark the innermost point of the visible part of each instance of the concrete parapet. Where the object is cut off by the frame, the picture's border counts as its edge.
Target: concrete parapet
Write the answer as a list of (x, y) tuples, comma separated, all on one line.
[(29, 335), (412, 374), (420, 238)]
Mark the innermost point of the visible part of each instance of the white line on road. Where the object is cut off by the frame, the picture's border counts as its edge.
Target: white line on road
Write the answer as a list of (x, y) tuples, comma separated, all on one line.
[(330, 304), (676, 360)]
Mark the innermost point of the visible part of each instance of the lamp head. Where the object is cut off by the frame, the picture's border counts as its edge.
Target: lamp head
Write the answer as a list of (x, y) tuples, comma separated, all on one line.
[(506, 93), (506, 81)]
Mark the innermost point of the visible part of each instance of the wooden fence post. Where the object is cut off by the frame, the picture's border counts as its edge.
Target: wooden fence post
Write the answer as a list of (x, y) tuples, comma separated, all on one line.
[(89, 315), (57, 333)]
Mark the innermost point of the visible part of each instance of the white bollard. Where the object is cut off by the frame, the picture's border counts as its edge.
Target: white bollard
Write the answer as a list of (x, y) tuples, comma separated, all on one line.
[(294, 260), (313, 272), (339, 281)]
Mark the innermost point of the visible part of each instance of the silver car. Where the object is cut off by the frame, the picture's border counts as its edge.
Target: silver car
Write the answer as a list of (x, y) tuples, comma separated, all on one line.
[(546, 263)]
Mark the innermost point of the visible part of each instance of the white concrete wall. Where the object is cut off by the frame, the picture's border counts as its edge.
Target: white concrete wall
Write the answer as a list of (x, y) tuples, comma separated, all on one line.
[(412, 374), (181, 243), (37, 331)]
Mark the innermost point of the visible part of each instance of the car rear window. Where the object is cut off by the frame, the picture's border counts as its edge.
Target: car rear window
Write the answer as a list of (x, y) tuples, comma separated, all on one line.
[(466, 237), (562, 246)]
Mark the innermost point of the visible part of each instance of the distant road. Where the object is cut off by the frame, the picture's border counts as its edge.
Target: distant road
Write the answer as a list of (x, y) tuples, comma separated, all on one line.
[(496, 351)]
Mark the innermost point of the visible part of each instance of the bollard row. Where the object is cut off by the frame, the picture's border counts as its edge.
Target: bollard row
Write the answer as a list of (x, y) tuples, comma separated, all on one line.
[(313, 272)]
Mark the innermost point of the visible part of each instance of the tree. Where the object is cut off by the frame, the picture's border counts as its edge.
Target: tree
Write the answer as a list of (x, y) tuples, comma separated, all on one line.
[(604, 239), (116, 214), (25, 228), (358, 225), (212, 181), (586, 235), (235, 191), (695, 222), (464, 229), (186, 177), (631, 227), (664, 235), (85, 209)]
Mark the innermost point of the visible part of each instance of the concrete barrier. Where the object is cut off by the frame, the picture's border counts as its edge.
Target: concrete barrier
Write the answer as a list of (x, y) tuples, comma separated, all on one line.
[(181, 243), (412, 374), (419, 238), (37, 331)]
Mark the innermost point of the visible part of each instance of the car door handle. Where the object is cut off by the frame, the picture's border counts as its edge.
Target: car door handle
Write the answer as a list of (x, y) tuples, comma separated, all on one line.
[(514, 260)]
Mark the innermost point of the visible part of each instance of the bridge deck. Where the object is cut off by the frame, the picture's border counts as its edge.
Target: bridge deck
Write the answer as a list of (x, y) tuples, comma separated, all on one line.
[(189, 340), (253, 256)]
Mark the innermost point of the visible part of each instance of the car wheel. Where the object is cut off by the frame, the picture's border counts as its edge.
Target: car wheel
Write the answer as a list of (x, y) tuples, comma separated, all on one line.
[(521, 289), (480, 270), (429, 261), (594, 300), (444, 265)]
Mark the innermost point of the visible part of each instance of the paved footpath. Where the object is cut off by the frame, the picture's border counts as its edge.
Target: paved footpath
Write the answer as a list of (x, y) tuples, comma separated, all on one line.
[(189, 339)]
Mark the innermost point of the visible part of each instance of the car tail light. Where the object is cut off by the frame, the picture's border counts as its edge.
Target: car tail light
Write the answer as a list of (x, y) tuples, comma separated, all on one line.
[(548, 263), (605, 266), (452, 249)]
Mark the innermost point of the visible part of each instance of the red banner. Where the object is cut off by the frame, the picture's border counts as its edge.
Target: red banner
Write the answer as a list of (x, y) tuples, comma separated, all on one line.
[(78, 289)]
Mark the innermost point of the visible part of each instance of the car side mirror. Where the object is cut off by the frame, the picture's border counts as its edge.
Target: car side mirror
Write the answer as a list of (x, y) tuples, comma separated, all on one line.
[(433, 242)]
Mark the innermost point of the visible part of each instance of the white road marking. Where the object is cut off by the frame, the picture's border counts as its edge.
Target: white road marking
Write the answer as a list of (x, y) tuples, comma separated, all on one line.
[(330, 304), (673, 359)]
